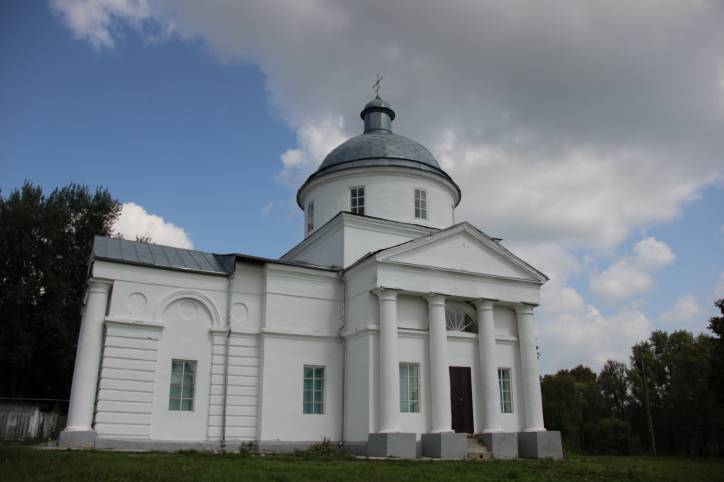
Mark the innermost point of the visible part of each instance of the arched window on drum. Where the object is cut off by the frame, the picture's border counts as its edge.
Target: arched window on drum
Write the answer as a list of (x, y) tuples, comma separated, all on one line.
[(459, 317)]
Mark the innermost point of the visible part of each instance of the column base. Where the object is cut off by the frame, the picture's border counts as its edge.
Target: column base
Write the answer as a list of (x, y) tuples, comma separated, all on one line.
[(502, 445), (400, 445), (77, 439), (540, 445), (445, 445)]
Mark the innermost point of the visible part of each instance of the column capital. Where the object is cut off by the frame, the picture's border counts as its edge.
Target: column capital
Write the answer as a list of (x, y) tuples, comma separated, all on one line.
[(524, 308), (386, 294), (96, 285), (484, 303), (434, 299)]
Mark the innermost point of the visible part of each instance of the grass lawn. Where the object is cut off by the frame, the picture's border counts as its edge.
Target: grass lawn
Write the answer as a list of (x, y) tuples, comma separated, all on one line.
[(23, 462)]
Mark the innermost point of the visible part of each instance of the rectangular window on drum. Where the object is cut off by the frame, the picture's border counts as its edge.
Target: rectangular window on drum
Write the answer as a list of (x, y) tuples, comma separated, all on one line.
[(310, 216), (357, 200), (313, 402), (183, 380), (506, 395), (409, 388), (420, 204)]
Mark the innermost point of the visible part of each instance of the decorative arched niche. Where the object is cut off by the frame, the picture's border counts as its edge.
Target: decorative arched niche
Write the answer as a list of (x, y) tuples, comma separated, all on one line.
[(460, 317), (188, 305)]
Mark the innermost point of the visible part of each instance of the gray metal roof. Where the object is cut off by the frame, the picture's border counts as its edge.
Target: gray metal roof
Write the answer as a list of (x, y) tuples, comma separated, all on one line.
[(379, 146), (168, 257), (136, 252)]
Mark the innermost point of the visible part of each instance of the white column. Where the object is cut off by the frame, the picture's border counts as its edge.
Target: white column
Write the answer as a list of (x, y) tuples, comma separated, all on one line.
[(488, 366), (88, 358), (389, 363), (532, 403), (439, 369)]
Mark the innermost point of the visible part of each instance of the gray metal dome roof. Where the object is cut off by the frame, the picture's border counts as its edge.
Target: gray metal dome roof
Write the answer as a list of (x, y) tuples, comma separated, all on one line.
[(379, 146)]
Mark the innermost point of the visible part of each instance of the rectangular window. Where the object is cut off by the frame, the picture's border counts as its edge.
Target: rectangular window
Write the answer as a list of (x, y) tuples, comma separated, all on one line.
[(183, 380), (506, 396), (313, 390), (310, 216), (357, 200), (409, 388), (420, 204)]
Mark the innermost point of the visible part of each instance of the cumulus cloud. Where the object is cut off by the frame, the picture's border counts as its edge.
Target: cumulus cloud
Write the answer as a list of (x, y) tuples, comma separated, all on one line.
[(98, 21), (568, 125), (562, 121), (314, 143), (719, 288), (134, 222), (632, 275), (686, 311)]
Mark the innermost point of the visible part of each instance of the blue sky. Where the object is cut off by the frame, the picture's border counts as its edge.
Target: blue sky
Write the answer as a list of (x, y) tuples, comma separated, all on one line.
[(584, 155)]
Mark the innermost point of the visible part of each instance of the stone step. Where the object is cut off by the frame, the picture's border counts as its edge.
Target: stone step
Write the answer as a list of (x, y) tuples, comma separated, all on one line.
[(477, 451)]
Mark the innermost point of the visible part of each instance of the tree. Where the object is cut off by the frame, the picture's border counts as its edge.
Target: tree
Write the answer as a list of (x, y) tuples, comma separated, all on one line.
[(716, 378), (614, 385), (45, 244)]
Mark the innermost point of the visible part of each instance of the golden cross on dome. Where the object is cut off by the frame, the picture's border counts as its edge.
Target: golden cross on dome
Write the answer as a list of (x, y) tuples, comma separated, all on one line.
[(376, 86)]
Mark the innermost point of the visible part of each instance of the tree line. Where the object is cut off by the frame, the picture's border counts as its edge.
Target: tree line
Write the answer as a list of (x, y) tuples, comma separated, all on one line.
[(667, 399), (45, 245)]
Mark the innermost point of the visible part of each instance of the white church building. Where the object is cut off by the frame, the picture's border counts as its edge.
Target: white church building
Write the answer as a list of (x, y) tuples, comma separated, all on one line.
[(389, 329)]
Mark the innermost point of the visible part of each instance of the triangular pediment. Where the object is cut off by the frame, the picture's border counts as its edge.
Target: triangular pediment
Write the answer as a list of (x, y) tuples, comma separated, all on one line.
[(462, 248)]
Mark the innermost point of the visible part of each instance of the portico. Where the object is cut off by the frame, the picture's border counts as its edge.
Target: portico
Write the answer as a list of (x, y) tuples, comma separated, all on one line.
[(439, 439)]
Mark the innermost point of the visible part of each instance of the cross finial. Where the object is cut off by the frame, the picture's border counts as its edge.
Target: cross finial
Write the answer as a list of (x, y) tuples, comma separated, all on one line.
[(376, 86)]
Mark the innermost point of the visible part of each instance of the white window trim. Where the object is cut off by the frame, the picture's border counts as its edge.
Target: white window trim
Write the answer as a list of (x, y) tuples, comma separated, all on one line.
[(309, 218), (324, 389), (363, 197), (422, 208), (419, 391), (170, 385), (500, 389)]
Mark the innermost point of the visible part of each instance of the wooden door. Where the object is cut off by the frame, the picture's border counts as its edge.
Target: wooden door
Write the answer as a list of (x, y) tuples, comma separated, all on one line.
[(461, 398)]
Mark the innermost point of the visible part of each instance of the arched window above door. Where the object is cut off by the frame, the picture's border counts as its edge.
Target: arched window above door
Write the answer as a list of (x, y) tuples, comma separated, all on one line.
[(458, 317)]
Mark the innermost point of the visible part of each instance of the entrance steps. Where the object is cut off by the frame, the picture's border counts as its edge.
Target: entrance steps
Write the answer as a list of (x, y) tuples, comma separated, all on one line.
[(476, 450)]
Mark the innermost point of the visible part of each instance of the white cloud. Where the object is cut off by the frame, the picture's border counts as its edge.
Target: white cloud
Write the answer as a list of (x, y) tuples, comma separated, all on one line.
[(315, 141), (572, 331), (719, 288), (563, 122), (559, 123), (94, 20), (135, 221), (632, 275), (686, 311)]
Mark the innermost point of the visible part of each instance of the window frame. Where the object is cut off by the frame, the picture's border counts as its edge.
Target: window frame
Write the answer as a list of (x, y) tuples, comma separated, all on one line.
[(501, 390), (412, 404), (420, 203), (357, 201), (314, 402), (181, 398), (309, 216)]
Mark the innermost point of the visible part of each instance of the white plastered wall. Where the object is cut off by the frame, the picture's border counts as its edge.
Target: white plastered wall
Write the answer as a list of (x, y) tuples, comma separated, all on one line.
[(389, 194)]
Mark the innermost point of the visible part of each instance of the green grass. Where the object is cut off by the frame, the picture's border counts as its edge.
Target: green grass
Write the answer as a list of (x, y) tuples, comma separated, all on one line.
[(21, 462)]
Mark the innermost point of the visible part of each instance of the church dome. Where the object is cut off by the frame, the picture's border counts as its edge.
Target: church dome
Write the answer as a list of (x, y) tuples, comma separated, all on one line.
[(378, 146)]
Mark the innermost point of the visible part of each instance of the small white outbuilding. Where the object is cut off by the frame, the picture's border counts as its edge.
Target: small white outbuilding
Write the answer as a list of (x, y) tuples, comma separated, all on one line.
[(389, 329)]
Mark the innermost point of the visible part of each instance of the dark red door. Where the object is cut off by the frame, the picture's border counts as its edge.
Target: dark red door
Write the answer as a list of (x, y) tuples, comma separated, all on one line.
[(461, 398)]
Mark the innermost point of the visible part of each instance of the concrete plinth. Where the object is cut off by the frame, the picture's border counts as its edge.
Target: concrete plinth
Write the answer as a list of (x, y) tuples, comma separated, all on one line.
[(540, 445), (502, 445), (400, 445), (447, 445), (77, 439)]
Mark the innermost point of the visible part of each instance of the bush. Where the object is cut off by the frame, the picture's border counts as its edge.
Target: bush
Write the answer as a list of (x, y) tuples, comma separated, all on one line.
[(247, 449), (611, 436)]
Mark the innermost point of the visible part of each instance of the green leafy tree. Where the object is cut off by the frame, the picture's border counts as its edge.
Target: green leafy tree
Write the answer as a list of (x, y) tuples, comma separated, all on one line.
[(45, 243), (716, 378), (614, 385)]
